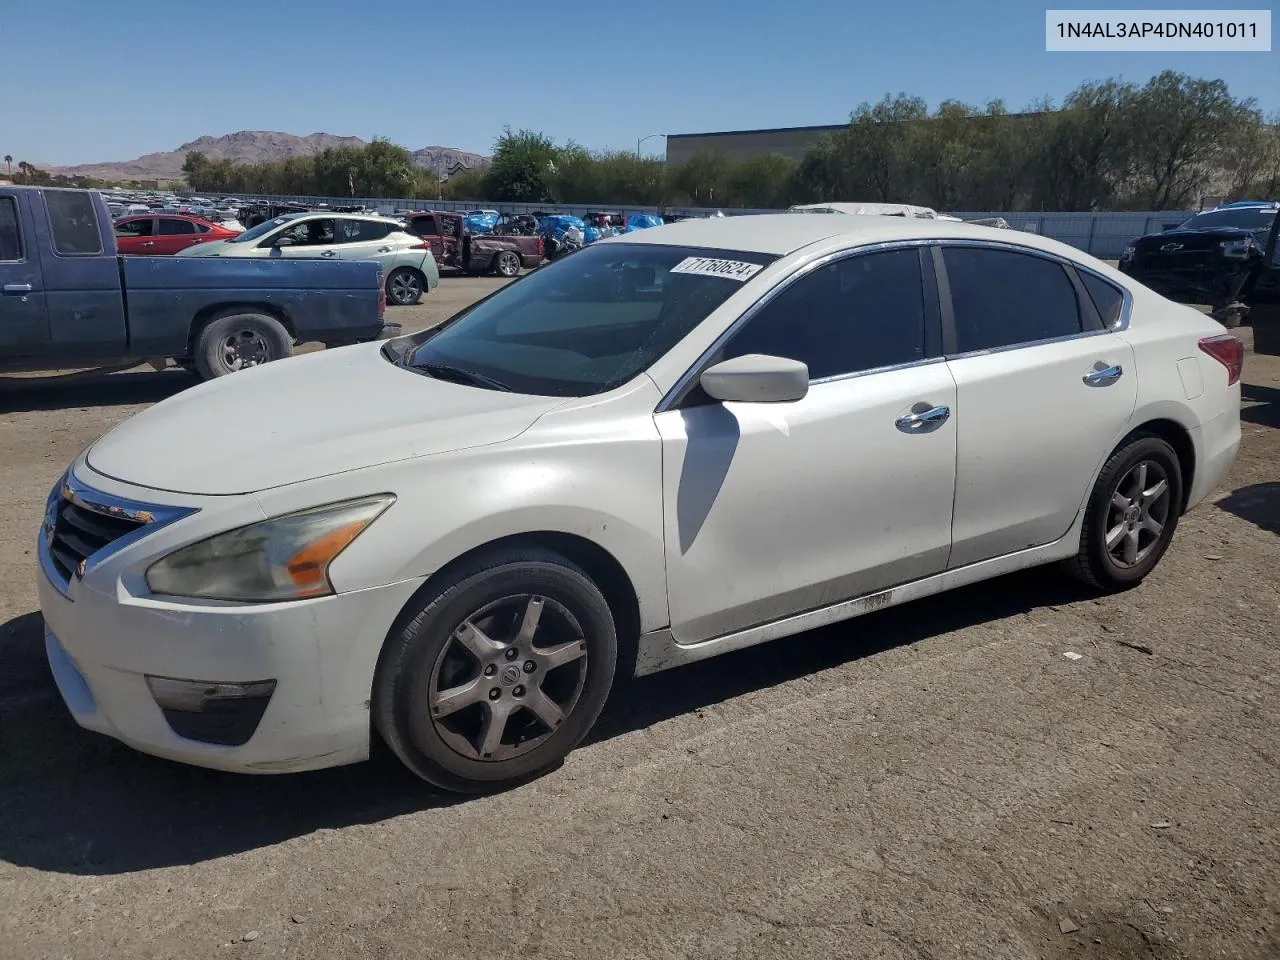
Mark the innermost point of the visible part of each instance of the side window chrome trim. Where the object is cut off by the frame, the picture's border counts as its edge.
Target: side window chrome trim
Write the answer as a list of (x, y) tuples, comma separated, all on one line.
[(1126, 307), (689, 378)]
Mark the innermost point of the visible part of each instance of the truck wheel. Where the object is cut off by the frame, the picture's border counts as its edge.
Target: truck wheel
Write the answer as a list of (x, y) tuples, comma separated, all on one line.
[(507, 264), (405, 286), (1265, 318), (236, 339)]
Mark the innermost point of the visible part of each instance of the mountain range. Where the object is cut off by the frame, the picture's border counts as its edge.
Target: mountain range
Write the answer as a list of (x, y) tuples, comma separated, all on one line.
[(253, 146)]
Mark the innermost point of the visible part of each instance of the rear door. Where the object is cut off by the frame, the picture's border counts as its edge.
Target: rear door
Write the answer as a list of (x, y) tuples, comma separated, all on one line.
[(175, 234), (1044, 388), (136, 236), (362, 239), (24, 321)]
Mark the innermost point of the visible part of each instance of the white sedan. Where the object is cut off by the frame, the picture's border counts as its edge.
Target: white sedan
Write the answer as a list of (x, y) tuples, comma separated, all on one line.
[(673, 444)]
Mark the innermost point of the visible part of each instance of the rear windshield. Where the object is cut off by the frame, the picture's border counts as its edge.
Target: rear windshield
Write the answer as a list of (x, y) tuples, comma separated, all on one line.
[(1246, 218), (585, 324)]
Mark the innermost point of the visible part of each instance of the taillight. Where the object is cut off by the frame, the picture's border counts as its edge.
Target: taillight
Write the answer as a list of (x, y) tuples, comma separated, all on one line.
[(382, 296), (1228, 351), (539, 246)]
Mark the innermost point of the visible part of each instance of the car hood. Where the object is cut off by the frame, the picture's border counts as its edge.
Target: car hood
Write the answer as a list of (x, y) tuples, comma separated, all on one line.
[(212, 248), (1206, 234), (302, 418)]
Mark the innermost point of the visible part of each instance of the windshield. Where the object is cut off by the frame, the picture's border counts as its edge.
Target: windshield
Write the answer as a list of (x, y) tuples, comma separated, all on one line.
[(1246, 218), (587, 323), (253, 233)]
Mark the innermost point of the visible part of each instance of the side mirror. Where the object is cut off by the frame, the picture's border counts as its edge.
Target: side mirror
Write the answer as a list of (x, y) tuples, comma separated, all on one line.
[(756, 378)]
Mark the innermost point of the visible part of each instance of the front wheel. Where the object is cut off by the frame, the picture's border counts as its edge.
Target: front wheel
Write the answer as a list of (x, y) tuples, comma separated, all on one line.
[(499, 674), (507, 264), (405, 286), (1131, 515)]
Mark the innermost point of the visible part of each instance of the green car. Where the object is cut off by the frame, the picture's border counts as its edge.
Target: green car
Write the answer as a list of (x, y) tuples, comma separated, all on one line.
[(406, 260)]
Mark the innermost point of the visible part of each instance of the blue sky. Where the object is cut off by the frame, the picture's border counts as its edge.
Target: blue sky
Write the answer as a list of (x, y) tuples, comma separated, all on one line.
[(87, 80)]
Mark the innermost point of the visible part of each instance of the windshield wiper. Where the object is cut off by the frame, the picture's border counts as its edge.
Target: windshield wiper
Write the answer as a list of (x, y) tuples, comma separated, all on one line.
[(445, 371)]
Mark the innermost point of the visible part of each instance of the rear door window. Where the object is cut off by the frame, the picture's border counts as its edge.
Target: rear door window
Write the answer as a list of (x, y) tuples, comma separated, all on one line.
[(74, 222), (173, 227), (10, 234), (360, 231), (1002, 298)]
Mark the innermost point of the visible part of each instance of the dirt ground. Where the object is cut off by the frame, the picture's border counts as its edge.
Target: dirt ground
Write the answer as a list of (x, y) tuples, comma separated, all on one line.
[(935, 781)]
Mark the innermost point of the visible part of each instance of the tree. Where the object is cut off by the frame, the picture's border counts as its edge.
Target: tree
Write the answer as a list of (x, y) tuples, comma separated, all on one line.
[(1178, 122), (8, 164), (523, 163)]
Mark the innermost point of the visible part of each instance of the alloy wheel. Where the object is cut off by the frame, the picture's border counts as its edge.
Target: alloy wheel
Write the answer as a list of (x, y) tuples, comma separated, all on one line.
[(508, 677), (405, 287), (1137, 514)]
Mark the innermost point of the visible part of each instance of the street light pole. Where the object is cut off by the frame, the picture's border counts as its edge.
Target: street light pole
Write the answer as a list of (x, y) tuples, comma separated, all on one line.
[(641, 140)]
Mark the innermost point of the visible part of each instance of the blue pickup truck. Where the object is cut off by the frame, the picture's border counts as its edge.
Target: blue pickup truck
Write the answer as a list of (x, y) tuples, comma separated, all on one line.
[(68, 300)]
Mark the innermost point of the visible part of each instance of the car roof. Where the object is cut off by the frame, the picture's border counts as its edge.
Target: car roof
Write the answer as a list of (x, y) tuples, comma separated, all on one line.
[(784, 233)]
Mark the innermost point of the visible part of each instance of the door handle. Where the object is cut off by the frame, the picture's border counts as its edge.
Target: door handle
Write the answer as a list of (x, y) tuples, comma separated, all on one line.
[(384, 249), (149, 243), (17, 288), (1104, 376), (327, 253), (932, 415)]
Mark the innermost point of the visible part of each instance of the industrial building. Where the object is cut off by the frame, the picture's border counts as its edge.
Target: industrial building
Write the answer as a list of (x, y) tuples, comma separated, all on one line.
[(740, 144)]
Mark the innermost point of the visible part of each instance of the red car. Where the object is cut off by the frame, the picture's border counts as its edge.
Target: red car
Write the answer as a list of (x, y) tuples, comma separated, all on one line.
[(157, 235)]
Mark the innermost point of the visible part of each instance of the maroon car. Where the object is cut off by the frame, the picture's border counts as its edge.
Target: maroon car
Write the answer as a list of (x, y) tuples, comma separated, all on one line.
[(457, 249)]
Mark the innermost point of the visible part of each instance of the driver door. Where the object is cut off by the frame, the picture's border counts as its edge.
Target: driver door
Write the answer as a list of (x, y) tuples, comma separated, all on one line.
[(305, 240), (774, 509)]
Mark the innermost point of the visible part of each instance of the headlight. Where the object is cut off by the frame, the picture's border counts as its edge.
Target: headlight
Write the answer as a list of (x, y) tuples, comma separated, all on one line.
[(1236, 249), (1128, 252), (283, 558)]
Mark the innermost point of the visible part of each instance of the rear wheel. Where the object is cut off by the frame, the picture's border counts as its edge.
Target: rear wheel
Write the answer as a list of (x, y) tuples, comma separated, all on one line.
[(507, 264), (237, 339), (1131, 515), (405, 286), (495, 678)]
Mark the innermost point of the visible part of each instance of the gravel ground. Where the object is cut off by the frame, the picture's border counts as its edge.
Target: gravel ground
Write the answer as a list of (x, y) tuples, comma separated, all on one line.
[(934, 781)]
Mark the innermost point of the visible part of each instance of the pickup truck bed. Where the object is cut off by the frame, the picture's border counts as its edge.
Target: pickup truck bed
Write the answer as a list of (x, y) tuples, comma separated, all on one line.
[(68, 300)]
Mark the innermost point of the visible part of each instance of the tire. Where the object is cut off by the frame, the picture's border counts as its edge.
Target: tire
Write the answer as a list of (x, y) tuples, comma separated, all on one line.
[(1116, 511), (1265, 319), (236, 339), (405, 286), (432, 651), (507, 263)]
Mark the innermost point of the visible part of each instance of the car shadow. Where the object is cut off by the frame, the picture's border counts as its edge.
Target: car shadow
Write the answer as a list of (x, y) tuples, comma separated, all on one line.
[(1263, 405), (79, 803), (1259, 503), (26, 394)]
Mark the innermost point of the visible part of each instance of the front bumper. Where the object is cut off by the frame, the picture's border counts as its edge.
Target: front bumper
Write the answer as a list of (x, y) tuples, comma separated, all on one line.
[(105, 636)]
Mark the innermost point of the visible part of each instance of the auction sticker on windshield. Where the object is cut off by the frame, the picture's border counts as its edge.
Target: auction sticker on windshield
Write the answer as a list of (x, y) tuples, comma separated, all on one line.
[(713, 267)]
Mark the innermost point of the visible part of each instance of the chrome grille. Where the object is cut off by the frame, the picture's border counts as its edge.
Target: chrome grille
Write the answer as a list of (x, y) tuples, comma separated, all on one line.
[(79, 532)]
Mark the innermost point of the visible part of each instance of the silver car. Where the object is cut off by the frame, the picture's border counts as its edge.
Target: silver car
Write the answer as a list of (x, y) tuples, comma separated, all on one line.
[(407, 264)]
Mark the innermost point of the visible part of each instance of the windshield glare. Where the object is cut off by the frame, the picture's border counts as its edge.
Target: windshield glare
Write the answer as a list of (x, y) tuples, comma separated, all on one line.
[(1246, 218), (585, 324)]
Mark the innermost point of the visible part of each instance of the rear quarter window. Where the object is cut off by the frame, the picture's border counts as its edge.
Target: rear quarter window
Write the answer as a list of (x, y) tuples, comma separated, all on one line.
[(74, 222), (1109, 299)]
